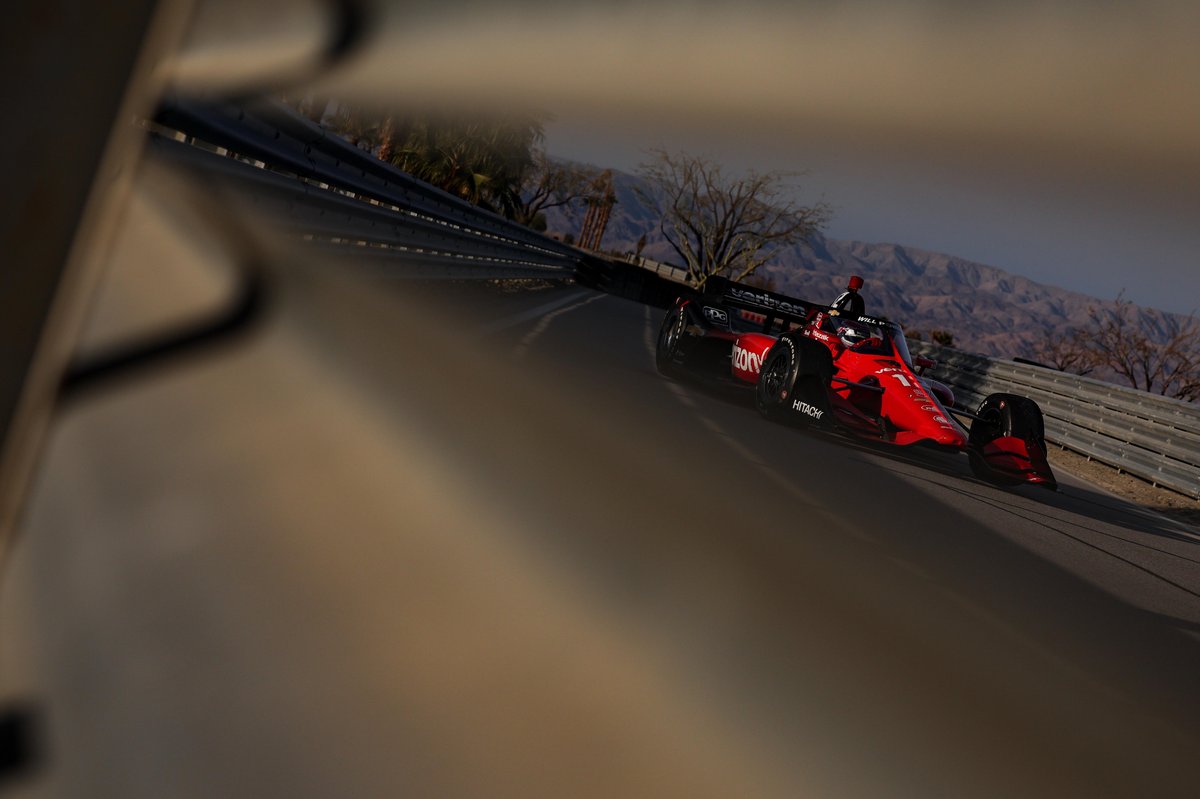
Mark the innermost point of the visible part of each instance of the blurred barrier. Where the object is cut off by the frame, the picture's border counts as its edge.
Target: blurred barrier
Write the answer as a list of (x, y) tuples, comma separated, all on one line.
[(327, 191), (1152, 437)]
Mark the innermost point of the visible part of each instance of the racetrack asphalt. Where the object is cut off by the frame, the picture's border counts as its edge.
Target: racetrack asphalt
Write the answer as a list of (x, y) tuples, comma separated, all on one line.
[(464, 543)]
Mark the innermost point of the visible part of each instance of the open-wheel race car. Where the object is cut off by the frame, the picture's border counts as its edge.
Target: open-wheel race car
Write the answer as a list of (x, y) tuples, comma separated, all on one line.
[(811, 365)]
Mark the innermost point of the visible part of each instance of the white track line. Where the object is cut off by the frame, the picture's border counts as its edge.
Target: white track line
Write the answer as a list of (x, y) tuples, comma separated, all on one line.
[(741, 450), (533, 313), (522, 348), (970, 606)]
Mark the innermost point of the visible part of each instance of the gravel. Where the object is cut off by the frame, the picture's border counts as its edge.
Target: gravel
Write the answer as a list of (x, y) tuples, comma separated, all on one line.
[(1160, 500)]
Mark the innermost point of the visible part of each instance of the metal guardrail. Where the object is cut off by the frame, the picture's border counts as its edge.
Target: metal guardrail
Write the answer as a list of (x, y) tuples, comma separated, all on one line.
[(323, 189), (1152, 437), (673, 273)]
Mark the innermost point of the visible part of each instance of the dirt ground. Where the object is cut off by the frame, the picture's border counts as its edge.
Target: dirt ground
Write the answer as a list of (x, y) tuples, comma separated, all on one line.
[(1160, 500)]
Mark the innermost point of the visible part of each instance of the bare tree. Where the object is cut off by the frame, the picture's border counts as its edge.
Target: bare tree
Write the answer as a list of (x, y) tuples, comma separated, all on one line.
[(1068, 351), (724, 226), (551, 184), (1170, 366), (942, 337)]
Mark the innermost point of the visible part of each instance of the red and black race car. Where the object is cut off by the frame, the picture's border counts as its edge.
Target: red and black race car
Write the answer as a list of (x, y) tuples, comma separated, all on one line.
[(810, 365)]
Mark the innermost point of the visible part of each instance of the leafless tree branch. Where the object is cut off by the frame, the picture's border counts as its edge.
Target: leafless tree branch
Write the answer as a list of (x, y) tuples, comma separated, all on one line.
[(723, 226)]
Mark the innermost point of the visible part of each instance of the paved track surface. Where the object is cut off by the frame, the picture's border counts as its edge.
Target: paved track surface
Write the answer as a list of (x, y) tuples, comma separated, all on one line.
[(470, 544)]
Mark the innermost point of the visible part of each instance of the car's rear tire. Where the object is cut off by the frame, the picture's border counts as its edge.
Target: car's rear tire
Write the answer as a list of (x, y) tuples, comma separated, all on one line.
[(666, 352), (1004, 415)]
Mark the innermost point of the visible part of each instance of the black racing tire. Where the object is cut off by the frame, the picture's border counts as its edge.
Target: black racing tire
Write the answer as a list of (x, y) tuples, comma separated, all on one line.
[(776, 379), (666, 352), (1004, 415), (795, 368)]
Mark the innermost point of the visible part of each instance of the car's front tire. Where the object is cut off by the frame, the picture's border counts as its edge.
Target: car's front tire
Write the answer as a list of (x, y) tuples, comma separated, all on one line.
[(775, 379), (793, 383), (1004, 415)]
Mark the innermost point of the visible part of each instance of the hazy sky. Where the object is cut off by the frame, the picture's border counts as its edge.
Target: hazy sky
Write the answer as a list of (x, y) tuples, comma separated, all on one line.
[(1058, 139), (1097, 234)]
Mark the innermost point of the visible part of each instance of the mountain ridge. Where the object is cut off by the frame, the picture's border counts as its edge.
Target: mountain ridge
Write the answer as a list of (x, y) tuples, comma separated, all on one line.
[(988, 310)]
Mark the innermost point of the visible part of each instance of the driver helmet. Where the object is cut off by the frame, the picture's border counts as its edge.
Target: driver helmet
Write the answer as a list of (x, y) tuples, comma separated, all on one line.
[(850, 336)]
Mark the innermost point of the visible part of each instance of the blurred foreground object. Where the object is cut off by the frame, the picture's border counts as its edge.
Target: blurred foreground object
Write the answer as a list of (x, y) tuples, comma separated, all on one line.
[(405, 542), (77, 75)]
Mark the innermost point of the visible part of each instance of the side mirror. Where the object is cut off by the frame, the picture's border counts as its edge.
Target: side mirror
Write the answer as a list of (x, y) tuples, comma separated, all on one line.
[(923, 363)]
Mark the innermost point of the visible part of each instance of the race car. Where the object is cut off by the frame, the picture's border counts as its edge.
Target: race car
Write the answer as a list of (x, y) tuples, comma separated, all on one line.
[(812, 366)]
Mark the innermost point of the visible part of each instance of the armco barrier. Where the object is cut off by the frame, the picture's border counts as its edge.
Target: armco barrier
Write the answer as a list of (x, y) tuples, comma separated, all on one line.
[(320, 187), (1152, 437), (672, 273), (335, 195)]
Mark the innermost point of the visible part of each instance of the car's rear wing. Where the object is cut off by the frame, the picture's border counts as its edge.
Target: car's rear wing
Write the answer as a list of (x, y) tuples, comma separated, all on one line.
[(771, 305)]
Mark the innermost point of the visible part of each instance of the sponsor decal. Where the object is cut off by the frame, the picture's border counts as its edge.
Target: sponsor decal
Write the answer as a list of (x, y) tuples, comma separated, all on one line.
[(807, 410), (903, 378), (716, 315), (766, 300), (745, 360)]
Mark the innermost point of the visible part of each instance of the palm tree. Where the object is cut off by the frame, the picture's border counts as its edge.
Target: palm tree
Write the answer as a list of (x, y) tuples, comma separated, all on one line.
[(485, 161)]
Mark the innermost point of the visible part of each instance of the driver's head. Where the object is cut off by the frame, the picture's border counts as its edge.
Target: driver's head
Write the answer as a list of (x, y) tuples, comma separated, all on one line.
[(850, 336), (855, 283)]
